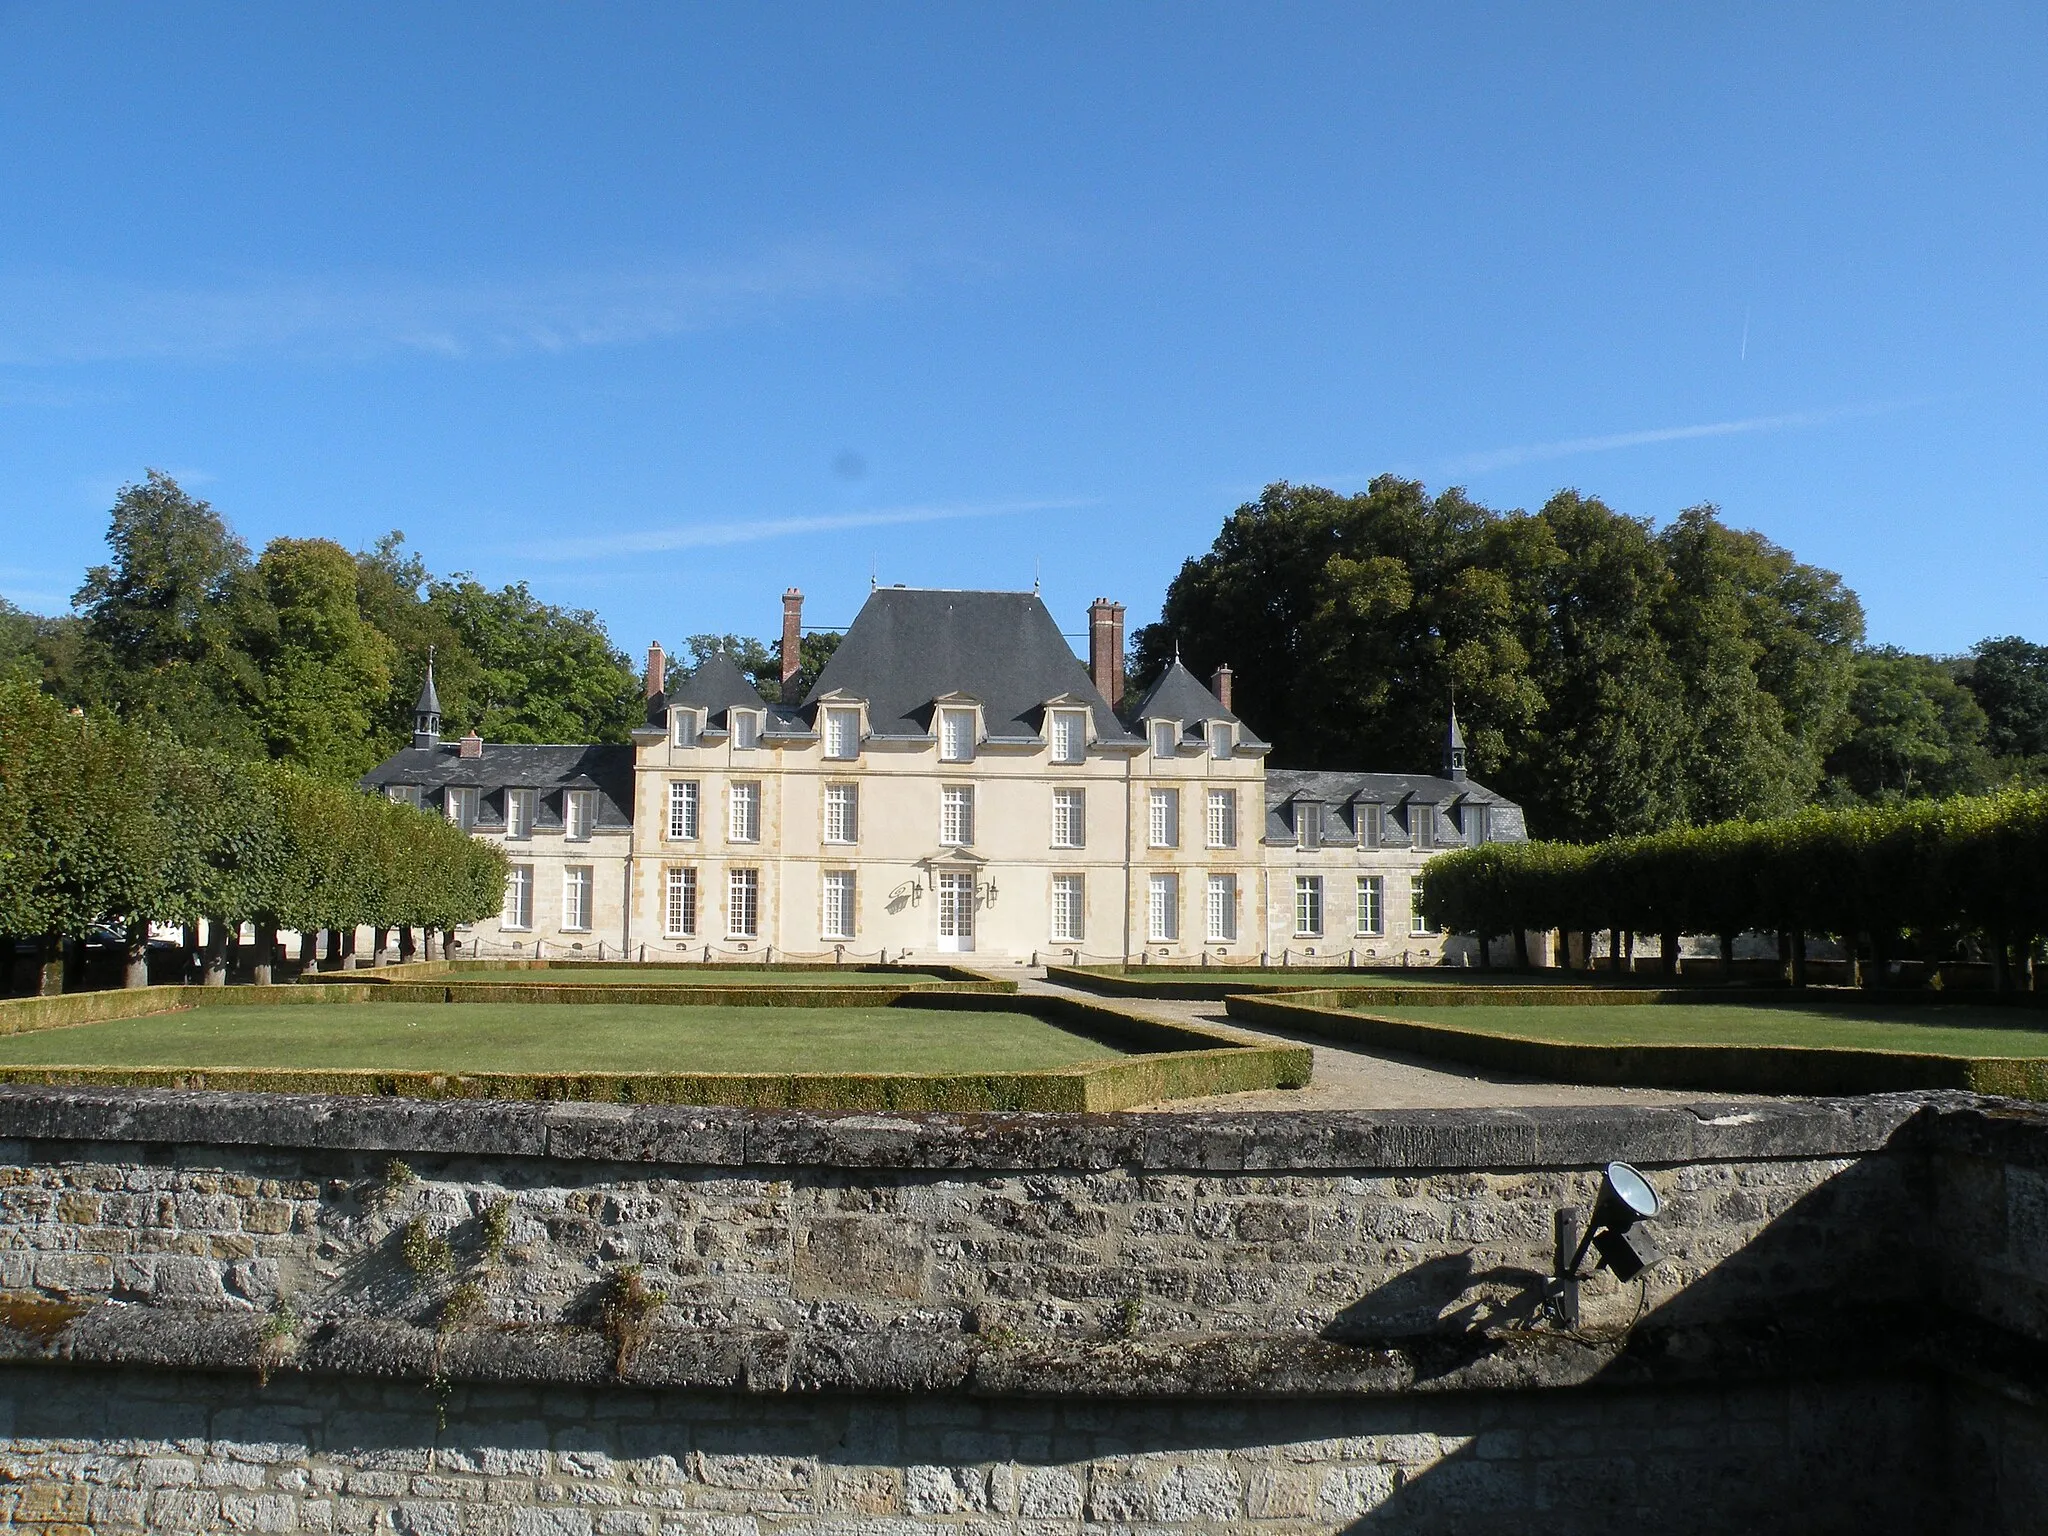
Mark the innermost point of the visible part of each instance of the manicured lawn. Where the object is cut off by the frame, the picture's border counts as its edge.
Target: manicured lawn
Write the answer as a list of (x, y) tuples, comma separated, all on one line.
[(563, 1037), (679, 976), (1951, 1029)]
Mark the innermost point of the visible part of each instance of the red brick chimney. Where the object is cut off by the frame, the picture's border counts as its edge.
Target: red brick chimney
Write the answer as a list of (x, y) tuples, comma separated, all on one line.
[(792, 639), (471, 745), (657, 668), (1219, 684), (1106, 649)]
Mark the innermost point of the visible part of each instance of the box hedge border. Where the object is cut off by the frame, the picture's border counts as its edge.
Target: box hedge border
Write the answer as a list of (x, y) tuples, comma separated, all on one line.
[(915, 977), (1175, 1061), (1762, 1069)]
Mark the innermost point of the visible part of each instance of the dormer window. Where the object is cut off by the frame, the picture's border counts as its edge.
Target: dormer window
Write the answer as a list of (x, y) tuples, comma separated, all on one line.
[(1422, 824), (956, 735), (746, 729), (683, 723), (1308, 823), (1165, 738), (404, 794), (519, 808), (1069, 736), (1219, 738), (460, 806), (1370, 820), (842, 734)]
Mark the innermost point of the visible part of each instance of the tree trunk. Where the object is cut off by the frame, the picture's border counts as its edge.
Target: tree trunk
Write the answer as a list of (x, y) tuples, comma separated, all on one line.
[(1614, 950), (137, 974), (2001, 961), (1485, 954), (1628, 940), (1784, 956), (1522, 949), (448, 945), (1667, 953), (406, 948), (1727, 942), (264, 968), (1880, 972), (50, 965), (347, 936), (216, 952), (309, 951), (379, 937), (1799, 958)]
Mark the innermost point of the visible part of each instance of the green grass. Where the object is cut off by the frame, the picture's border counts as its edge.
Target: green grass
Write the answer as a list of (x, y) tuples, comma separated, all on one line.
[(562, 1037), (1956, 1029), (676, 976)]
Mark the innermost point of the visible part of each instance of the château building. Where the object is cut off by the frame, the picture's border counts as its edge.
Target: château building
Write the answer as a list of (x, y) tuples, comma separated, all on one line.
[(955, 782)]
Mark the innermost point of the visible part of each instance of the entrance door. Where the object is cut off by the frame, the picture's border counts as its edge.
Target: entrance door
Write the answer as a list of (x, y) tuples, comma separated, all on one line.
[(956, 913)]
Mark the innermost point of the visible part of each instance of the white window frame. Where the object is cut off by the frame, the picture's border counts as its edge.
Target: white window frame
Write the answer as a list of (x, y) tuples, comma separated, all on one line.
[(746, 729), (579, 814), (1372, 823), (521, 807), (458, 803), (1372, 906), (1308, 906), (517, 914), (1165, 738), (956, 735), (579, 896), (1162, 818), (1069, 817), (679, 902), (1418, 925), (1220, 742), (842, 813), (1422, 823), (836, 889), (403, 794), (956, 815), (1220, 821), (1069, 909), (1162, 909), (685, 810), (683, 727), (743, 811), (842, 733), (1221, 909), (1069, 735), (743, 903)]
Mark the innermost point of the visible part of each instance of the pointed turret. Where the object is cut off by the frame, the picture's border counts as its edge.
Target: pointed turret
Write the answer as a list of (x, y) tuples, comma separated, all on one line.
[(426, 714), (1454, 751)]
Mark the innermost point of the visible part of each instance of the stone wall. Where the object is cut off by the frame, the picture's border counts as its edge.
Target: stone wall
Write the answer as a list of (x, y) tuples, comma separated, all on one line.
[(294, 1310)]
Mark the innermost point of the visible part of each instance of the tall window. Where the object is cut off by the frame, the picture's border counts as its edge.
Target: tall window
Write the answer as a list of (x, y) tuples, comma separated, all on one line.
[(579, 812), (1372, 900), (1308, 906), (1371, 823), (1165, 820), (842, 734), (1162, 909), (519, 805), (842, 813), (1222, 818), (403, 794), (680, 916), (685, 726), (1417, 923), (1219, 738), (743, 904), (956, 815), (743, 813), (838, 914), (1165, 737), (1068, 909), (1069, 736), (518, 897), (1422, 824), (746, 729), (682, 810), (576, 888), (460, 805), (956, 735), (1222, 909), (1476, 828), (1069, 818)]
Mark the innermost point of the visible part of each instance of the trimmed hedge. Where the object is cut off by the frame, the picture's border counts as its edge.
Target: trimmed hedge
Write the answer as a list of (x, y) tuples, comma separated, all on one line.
[(1762, 1069), (402, 983)]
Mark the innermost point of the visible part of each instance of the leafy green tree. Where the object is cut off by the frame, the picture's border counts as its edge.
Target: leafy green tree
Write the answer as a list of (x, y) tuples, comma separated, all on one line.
[(543, 673), (2009, 678), (1916, 730)]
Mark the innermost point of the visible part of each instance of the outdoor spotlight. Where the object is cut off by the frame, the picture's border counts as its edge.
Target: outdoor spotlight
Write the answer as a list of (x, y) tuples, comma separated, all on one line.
[(1626, 1198)]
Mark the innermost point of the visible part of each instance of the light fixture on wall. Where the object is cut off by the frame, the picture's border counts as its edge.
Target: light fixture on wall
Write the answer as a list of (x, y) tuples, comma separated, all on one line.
[(1612, 1230)]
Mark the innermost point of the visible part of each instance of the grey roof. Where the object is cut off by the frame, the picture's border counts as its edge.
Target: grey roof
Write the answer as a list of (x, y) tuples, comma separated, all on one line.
[(549, 769), (430, 701), (1289, 791), (1180, 695), (909, 647), (717, 685), (1457, 737)]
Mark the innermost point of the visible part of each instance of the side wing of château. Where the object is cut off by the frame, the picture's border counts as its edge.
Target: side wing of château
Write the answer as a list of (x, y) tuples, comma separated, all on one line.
[(956, 781)]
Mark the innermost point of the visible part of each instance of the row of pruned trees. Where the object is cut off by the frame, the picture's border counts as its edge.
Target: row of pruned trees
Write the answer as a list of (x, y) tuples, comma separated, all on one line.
[(1882, 879), (102, 822)]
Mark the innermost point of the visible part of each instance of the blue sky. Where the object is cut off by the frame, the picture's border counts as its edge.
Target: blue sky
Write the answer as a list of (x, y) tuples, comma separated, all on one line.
[(664, 308)]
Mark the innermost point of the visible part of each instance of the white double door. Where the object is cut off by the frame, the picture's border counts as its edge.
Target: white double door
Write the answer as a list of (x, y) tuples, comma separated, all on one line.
[(956, 913)]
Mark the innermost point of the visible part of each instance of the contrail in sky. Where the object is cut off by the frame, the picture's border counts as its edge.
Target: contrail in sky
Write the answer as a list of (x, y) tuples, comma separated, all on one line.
[(1529, 453), (722, 535)]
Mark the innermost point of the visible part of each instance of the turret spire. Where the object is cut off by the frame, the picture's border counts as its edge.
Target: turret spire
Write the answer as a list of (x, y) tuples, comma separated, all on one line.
[(1454, 749), (426, 714)]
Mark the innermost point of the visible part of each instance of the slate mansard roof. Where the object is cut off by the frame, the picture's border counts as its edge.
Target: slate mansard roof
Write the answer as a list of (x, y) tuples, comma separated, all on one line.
[(1180, 695), (551, 769), (1294, 794), (910, 647)]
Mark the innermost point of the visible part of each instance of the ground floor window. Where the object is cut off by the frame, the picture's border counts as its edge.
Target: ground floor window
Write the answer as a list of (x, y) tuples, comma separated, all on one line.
[(1222, 913), (1162, 909), (680, 914), (518, 897), (1308, 906), (743, 904), (1067, 909), (1372, 899), (1417, 923), (838, 913), (577, 880)]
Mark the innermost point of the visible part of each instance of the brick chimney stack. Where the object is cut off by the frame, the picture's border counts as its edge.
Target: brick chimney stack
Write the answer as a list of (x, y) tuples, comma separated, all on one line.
[(1219, 684), (657, 668), (792, 639), (1106, 649)]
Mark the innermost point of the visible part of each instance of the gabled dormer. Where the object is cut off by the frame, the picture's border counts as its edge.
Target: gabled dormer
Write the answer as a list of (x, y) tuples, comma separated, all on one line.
[(1179, 715), (1066, 725), (840, 720), (958, 725), (715, 704)]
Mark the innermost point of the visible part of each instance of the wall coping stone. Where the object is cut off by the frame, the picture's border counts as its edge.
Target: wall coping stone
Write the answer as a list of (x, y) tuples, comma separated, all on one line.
[(1418, 1139)]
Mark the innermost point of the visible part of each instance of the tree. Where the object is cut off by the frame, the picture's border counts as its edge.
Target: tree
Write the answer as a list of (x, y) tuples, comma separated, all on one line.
[(2009, 678), (543, 673), (1915, 730)]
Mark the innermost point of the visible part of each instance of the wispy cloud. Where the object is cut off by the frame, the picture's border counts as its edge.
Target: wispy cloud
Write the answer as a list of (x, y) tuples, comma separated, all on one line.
[(753, 530), (1529, 453)]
